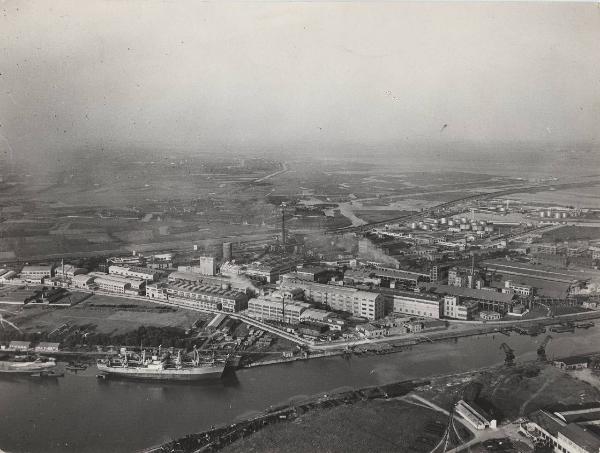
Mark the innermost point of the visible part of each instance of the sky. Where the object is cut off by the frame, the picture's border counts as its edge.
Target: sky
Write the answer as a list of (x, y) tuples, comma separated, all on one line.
[(246, 76)]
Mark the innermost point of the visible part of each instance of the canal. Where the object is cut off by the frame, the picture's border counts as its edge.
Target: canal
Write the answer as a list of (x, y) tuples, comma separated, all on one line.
[(79, 413)]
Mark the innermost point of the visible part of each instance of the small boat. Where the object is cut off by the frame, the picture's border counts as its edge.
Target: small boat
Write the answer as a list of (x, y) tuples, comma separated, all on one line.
[(584, 325), (76, 366), (47, 374)]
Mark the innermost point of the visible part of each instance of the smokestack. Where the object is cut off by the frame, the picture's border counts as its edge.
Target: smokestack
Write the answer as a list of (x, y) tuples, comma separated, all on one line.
[(283, 238), (227, 251)]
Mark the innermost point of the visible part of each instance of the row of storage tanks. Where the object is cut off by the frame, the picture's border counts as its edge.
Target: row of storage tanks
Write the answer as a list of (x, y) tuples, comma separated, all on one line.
[(463, 224), (556, 215)]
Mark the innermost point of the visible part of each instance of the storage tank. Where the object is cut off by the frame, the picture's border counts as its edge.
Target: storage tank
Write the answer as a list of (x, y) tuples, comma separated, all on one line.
[(557, 215), (450, 222), (425, 226), (564, 215), (549, 213), (413, 225), (463, 220), (443, 220), (489, 228), (542, 214)]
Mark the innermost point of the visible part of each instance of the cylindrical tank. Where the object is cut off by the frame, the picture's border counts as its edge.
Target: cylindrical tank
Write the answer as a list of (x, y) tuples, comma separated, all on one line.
[(557, 215), (463, 220), (549, 213), (443, 220), (542, 214), (450, 222), (413, 225), (489, 228), (564, 215), (425, 226), (227, 251)]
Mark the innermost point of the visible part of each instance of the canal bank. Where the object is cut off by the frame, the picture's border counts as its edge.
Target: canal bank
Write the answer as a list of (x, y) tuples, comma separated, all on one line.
[(79, 413)]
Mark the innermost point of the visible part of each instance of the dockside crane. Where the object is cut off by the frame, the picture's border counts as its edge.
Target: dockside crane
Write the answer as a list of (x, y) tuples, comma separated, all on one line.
[(541, 350), (509, 354)]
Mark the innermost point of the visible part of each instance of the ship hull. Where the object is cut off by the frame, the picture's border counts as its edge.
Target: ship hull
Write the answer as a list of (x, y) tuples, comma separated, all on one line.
[(25, 368), (207, 373)]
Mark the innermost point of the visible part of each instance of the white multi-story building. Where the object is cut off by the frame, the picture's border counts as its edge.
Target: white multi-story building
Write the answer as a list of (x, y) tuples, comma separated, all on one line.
[(266, 308), (365, 304), (454, 309), (417, 304)]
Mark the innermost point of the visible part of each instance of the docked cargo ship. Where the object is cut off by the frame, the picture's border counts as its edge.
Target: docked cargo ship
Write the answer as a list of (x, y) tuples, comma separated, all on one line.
[(163, 368), (26, 367)]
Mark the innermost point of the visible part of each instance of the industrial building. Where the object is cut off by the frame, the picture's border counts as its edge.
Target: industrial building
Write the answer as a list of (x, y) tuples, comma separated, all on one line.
[(118, 284), (269, 308), (225, 282), (82, 281), (199, 296), (475, 416), (208, 265), (142, 273), (365, 304), (417, 304), (566, 431), (455, 309), (269, 270), (521, 290), (36, 274), (487, 299)]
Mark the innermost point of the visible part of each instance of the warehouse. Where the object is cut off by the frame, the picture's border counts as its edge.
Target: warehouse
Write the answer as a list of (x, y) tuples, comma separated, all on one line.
[(36, 274), (142, 273)]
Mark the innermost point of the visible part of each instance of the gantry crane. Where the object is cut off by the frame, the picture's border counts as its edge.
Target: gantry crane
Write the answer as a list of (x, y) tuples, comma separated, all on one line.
[(509, 354)]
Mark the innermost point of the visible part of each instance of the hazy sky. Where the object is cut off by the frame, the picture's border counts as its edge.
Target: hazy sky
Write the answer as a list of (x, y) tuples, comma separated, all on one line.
[(192, 75)]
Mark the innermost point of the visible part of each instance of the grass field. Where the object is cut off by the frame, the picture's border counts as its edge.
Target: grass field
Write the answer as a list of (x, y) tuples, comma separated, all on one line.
[(111, 315), (571, 233), (373, 426), (516, 391)]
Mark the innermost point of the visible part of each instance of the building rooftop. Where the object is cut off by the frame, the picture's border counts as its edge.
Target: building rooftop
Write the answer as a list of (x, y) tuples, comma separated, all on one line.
[(469, 293), (206, 289), (573, 360), (581, 436), (37, 268)]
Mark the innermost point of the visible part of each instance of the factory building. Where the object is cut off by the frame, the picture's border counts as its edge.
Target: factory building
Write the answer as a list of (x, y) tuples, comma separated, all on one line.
[(270, 270), (360, 303), (225, 282), (417, 304), (521, 290), (208, 265), (142, 273), (118, 284), (312, 273), (562, 431), (361, 276), (36, 274), (475, 416), (454, 309), (486, 299), (82, 281), (269, 308), (199, 296)]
